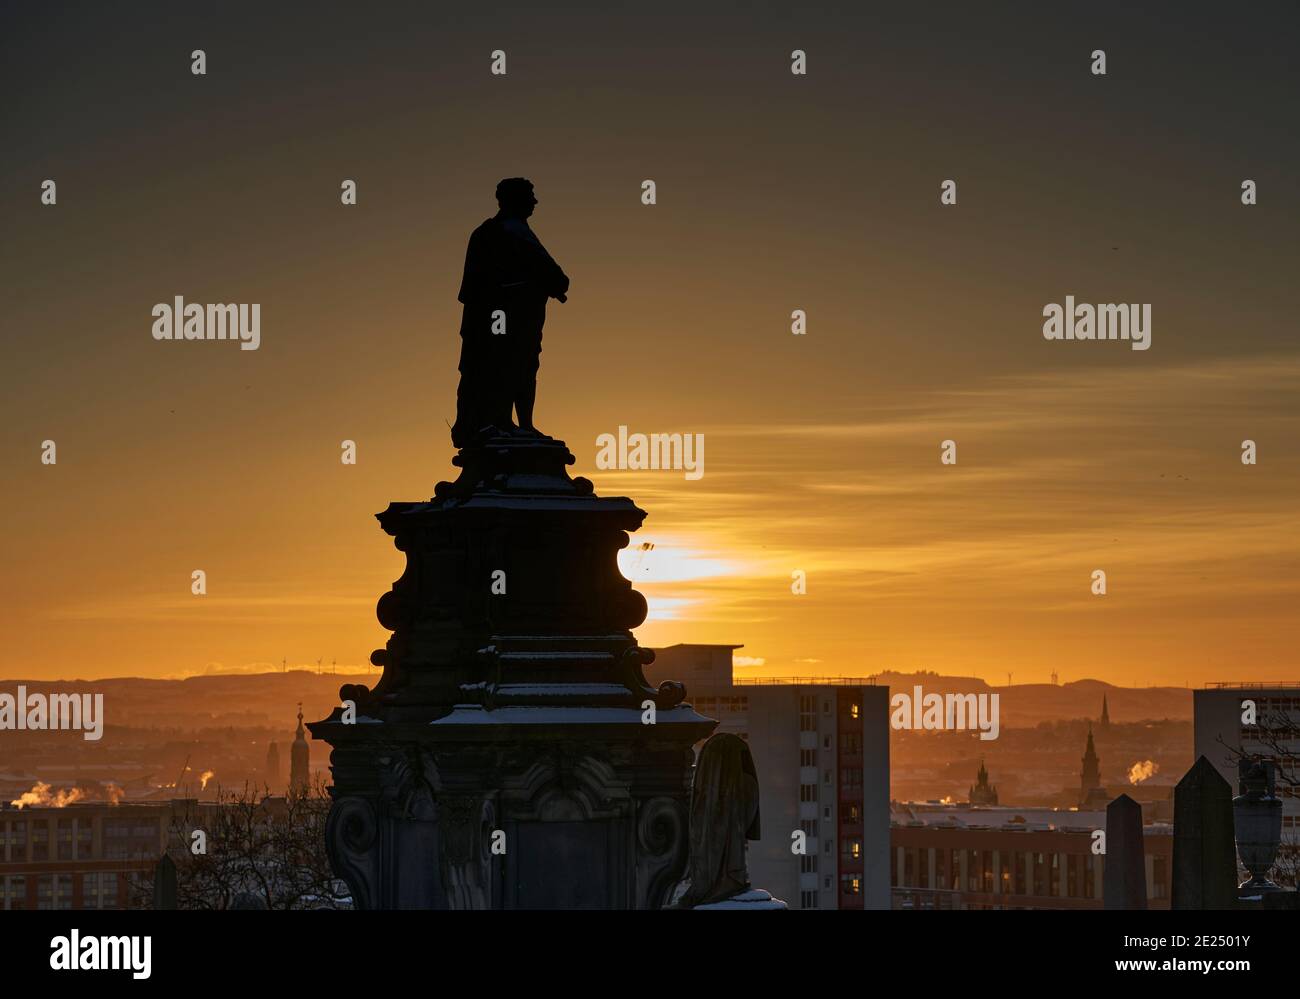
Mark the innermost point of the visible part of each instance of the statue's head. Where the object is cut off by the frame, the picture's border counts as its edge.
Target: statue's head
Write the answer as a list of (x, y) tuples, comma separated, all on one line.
[(515, 196), (726, 769)]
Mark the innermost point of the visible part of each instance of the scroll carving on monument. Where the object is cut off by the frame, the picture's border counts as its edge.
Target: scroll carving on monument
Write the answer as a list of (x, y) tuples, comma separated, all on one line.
[(351, 833)]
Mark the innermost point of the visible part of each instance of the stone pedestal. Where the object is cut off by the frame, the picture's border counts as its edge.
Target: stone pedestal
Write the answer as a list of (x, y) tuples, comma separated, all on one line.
[(512, 754)]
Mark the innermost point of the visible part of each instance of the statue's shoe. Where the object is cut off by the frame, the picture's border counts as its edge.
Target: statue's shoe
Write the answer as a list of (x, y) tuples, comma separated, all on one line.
[(481, 436), (530, 433)]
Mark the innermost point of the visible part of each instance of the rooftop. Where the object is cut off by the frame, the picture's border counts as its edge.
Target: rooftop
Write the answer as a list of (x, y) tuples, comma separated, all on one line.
[(963, 815), (1238, 685), (804, 681)]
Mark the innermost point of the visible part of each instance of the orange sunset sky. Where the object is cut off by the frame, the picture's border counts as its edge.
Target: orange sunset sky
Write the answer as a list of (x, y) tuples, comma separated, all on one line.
[(775, 193)]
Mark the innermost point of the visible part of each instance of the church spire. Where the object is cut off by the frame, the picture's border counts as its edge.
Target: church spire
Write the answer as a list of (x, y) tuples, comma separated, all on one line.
[(1105, 714), (983, 793), (1091, 792), (299, 758)]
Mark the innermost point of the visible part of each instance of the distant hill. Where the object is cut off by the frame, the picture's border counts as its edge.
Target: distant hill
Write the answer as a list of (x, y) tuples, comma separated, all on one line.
[(1025, 705), (256, 700), (271, 699)]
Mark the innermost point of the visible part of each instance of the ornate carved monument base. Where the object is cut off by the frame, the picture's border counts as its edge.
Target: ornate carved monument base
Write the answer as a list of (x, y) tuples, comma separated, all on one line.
[(504, 759)]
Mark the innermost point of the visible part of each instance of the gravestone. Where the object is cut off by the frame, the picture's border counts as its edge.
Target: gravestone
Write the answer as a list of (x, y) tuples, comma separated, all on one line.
[(164, 883), (1124, 885), (1205, 865)]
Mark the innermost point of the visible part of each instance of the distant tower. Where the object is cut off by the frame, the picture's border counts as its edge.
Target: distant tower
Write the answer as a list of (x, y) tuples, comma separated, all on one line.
[(1104, 725), (1091, 793), (982, 793), (299, 758), (273, 766)]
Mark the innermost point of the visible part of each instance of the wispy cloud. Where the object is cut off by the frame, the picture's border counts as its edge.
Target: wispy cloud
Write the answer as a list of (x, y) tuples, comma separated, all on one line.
[(294, 602)]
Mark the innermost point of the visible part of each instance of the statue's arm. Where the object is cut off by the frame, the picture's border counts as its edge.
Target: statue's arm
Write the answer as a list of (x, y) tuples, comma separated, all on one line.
[(554, 280)]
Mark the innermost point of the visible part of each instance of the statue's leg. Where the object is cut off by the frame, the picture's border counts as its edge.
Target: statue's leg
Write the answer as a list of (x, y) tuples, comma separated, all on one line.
[(524, 374), (525, 396), (463, 426), (483, 399), (470, 404), (473, 394), (502, 390)]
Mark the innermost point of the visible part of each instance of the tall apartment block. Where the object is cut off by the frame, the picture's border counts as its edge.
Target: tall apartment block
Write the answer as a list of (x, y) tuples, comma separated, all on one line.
[(1222, 733), (821, 747)]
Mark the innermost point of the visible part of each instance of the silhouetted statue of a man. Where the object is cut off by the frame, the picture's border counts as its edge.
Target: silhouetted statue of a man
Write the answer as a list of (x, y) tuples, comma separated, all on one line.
[(508, 278)]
